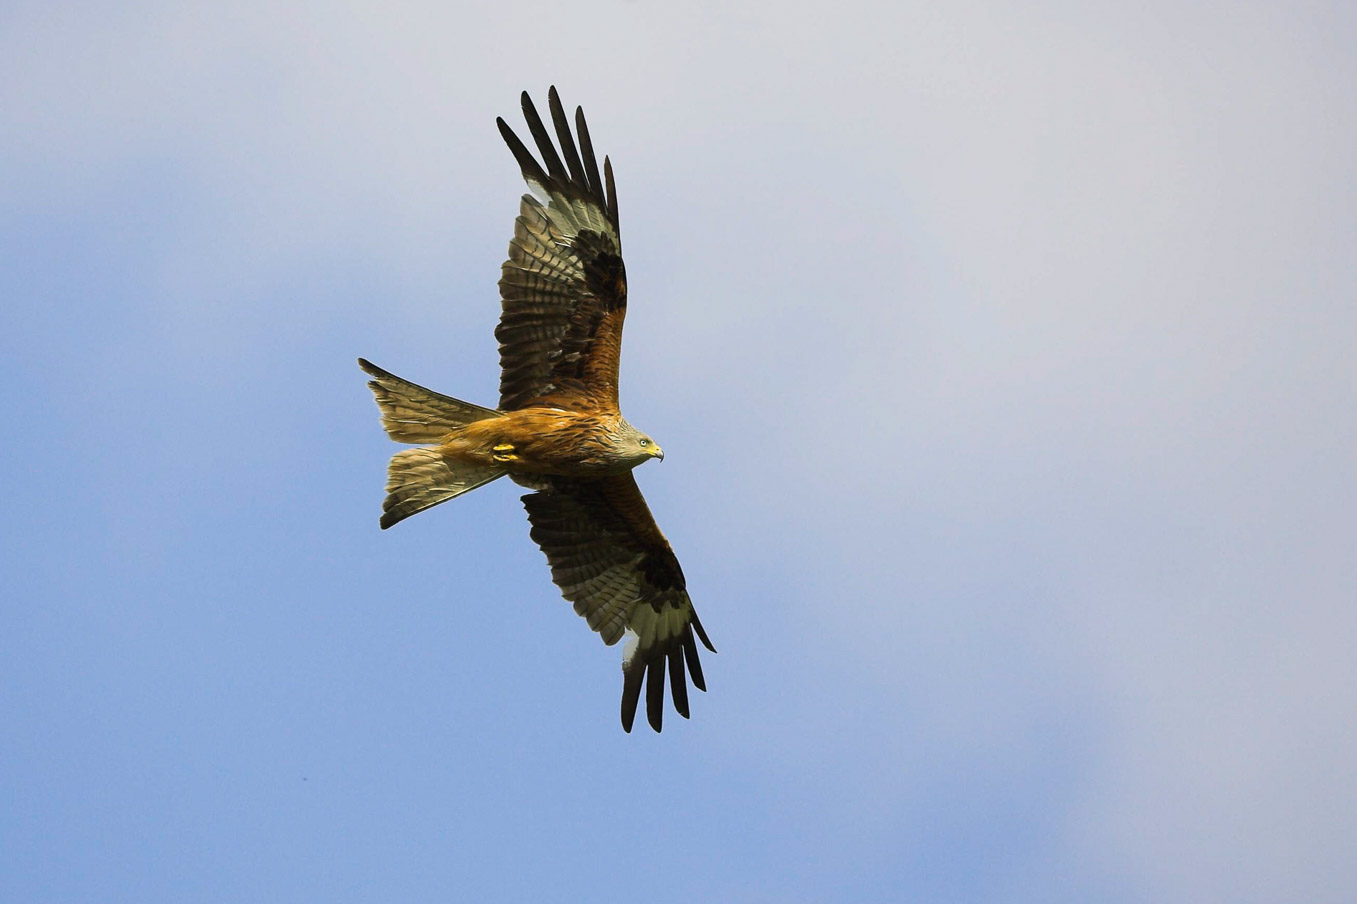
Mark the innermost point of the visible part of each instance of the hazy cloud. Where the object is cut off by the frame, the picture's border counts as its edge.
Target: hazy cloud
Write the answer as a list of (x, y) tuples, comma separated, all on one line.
[(1012, 351)]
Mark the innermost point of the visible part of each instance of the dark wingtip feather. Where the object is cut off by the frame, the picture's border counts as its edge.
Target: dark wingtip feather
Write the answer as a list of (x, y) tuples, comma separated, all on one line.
[(612, 190), (587, 151), (544, 145), (655, 694), (631, 693), (527, 163), (697, 626), (678, 687), (694, 664), (572, 157)]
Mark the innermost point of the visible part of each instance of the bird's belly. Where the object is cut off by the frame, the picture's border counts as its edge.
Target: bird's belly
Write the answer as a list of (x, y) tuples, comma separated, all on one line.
[(546, 441)]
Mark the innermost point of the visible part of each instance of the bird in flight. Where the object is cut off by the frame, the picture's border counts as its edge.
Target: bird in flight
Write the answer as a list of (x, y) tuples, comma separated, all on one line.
[(558, 429)]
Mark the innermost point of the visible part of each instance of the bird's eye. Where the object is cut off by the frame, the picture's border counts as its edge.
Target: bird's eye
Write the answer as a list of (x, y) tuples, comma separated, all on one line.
[(645, 442)]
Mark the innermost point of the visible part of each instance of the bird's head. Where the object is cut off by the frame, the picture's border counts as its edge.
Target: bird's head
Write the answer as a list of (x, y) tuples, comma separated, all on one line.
[(635, 447)]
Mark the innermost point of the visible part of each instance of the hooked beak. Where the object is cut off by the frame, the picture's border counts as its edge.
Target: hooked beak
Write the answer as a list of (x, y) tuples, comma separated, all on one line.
[(658, 453)]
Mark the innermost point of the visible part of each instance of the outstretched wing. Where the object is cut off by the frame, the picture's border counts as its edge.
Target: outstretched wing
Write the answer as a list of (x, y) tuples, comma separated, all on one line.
[(564, 287), (609, 558)]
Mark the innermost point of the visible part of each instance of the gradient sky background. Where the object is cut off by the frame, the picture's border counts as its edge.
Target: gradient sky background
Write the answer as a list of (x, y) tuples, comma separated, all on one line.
[(1004, 362)]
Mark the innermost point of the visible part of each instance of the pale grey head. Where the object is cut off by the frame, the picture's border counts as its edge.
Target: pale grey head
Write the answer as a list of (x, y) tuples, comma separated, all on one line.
[(631, 445)]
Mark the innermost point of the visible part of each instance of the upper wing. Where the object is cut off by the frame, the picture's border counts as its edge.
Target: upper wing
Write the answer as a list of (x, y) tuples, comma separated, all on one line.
[(564, 287), (609, 558)]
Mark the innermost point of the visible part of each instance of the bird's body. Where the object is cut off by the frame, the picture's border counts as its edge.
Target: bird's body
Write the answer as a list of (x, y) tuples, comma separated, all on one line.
[(551, 441), (557, 429)]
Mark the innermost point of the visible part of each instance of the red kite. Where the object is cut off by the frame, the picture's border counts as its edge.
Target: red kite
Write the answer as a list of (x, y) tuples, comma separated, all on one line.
[(558, 430)]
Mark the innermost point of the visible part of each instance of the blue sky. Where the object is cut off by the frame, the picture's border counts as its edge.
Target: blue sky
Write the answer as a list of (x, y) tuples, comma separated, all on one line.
[(1003, 361)]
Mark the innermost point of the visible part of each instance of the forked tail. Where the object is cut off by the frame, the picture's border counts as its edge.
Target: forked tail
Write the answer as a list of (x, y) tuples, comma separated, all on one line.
[(420, 478)]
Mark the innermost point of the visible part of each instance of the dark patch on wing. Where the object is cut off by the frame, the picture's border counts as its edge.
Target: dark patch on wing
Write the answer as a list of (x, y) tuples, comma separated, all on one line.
[(604, 272)]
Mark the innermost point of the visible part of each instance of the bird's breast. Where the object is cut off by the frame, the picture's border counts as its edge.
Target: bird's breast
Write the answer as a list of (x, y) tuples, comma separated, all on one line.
[(539, 441)]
